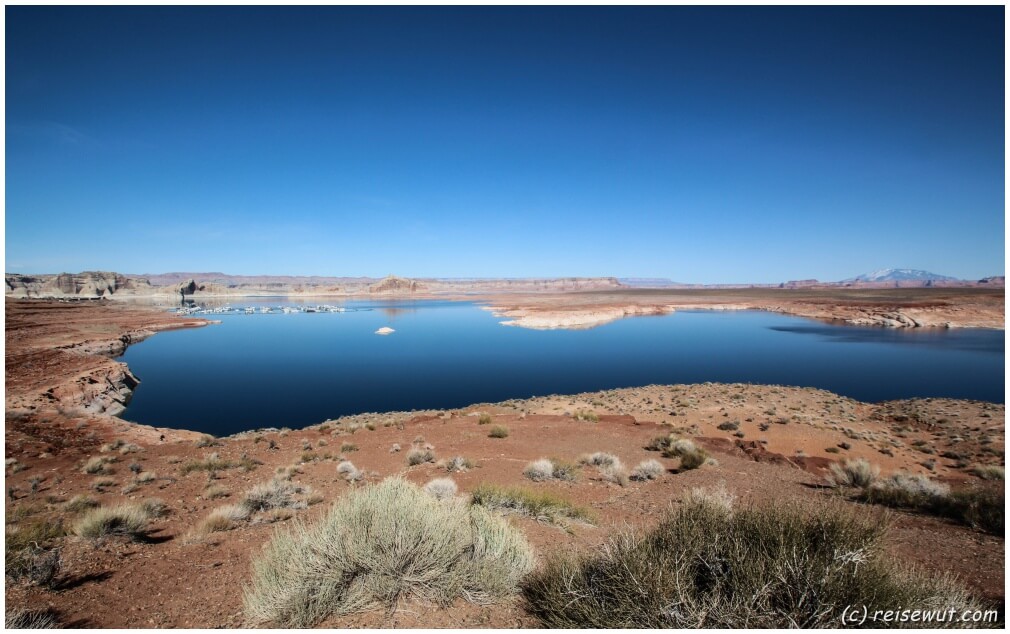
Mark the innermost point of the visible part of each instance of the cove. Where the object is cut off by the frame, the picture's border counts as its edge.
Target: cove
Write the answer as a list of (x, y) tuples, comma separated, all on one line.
[(292, 370)]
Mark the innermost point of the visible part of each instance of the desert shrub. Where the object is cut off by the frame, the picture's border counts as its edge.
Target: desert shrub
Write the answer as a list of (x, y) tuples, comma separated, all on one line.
[(599, 459), (206, 440), (647, 470), (210, 463), (28, 553), (589, 417), (484, 419), (80, 503), (615, 472), (708, 566), (112, 446), (125, 520), (351, 473), (499, 431), (98, 465), (691, 456), (441, 488), (214, 492), (129, 448), (856, 473), (542, 506), (395, 448), (19, 619), (729, 426), (905, 490), (539, 470), (660, 443), (153, 507), (274, 494), (223, 518), (347, 447), (981, 507), (147, 476), (564, 470), (419, 456), (988, 472), (458, 463), (380, 544)]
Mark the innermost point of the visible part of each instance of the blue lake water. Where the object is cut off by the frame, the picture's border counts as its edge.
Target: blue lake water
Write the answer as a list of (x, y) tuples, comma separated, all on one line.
[(274, 370)]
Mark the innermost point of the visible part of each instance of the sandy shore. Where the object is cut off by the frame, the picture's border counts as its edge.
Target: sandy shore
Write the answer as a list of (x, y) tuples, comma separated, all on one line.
[(891, 308)]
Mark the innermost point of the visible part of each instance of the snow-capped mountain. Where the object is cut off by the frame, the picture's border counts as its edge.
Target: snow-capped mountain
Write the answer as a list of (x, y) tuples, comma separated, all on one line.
[(900, 275)]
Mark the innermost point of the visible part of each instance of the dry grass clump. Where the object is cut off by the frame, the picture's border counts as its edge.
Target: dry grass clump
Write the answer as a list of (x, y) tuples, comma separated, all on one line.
[(441, 488), (691, 456), (378, 545), (587, 416), (206, 440), (484, 419), (211, 463), (275, 494), (599, 459), (98, 465), (978, 507), (550, 469), (29, 554), (419, 456), (499, 431), (988, 472), (123, 520), (539, 470), (223, 518), (540, 505), (350, 473), (708, 566), (80, 503), (647, 470), (458, 464), (214, 492), (856, 473), (20, 619)]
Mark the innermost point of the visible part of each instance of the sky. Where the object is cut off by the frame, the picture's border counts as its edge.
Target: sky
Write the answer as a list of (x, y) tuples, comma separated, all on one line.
[(705, 145)]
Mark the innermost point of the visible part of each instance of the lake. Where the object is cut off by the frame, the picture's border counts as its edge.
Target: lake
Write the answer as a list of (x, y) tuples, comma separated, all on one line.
[(293, 370)]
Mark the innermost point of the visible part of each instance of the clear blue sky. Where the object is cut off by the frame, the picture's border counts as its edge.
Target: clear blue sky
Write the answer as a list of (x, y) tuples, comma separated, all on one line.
[(703, 145)]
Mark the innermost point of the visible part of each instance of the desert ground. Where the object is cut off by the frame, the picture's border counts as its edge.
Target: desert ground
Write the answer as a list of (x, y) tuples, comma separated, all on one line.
[(66, 452)]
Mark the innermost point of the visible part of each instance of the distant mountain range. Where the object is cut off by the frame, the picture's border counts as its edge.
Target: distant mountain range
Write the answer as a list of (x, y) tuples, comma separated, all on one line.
[(901, 275)]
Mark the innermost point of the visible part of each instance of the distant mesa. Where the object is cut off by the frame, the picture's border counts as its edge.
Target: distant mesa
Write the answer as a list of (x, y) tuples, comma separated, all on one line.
[(385, 330), (394, 284), (901, 275)]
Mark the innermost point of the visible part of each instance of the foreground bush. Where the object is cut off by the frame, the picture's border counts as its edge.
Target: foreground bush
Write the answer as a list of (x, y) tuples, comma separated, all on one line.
[(707, 565), (853, 473), (691, 456), (126, 520), (380, 544)]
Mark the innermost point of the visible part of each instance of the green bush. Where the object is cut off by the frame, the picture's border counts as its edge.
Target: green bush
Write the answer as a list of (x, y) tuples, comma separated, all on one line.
[(706, 565), (380, 544)]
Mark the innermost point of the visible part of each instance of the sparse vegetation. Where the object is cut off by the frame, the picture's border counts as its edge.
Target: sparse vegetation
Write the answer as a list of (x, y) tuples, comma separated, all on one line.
[(691, 456), (540, 505), (853, 473), (587, 416), (379, 544), (419, 456), (80, 503), (499, 431), (98, 465), (484, 419), (124, 520), (19, 619), (647, 470), (708, 566), (458, 464), (988, 472)]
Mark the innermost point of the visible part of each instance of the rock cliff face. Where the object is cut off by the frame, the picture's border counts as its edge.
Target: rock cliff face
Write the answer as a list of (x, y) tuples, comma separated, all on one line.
[(88, 284)]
